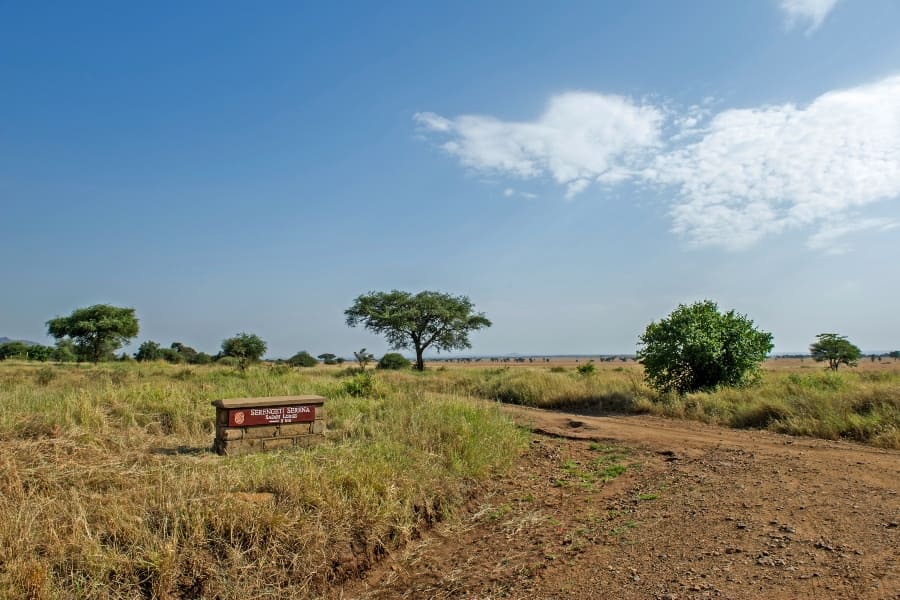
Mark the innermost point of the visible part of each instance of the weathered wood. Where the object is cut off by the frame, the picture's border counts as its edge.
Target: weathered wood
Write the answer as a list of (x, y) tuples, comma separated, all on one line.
[(270, 401)]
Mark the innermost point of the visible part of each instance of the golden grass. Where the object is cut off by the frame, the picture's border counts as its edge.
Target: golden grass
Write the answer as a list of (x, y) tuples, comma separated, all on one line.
[(107, 488), (861, 404)]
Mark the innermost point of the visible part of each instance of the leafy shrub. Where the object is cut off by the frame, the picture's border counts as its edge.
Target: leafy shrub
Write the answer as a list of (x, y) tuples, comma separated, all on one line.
[(148, 350), (280, 370), (228, 361), (829, 381), (302, 359), (586, 368), (45, 375), (698, 348), (361, 384), (393, 360)]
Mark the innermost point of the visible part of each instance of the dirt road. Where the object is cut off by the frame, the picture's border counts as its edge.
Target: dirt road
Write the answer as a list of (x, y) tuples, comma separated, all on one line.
[(643, 507)]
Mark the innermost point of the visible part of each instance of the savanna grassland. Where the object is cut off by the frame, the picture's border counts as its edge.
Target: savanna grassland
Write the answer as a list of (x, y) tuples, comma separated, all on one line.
[(792, 396), (108, 488)]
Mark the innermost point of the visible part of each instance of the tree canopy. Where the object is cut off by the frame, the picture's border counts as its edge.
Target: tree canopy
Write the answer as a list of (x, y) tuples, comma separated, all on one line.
[(98, 330), (147, 351), (14, 349), (302, 359), (697, 347), (245, 347), (418, 321), (393, 361), (835, 350), (328, 358)]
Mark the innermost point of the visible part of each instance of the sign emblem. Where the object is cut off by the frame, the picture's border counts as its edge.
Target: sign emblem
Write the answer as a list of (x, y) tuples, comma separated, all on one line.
[(239, 418)]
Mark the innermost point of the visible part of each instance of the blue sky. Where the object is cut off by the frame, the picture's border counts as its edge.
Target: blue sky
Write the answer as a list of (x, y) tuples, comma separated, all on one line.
[(577, 170)]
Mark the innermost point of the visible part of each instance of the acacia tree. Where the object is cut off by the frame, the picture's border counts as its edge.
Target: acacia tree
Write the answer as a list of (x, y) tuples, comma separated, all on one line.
[(245, 347), (363, 357), (697, 347), (418, 321), (834, 349), (97, 331), (328, 358)]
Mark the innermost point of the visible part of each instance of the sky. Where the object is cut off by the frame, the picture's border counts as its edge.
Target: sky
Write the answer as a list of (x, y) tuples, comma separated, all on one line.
[(577, 169)]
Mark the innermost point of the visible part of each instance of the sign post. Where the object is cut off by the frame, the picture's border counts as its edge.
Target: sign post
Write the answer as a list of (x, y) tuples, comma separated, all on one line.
[(254, 424)]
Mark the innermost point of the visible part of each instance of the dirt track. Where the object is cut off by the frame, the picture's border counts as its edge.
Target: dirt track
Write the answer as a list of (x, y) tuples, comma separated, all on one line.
[(699, 512)]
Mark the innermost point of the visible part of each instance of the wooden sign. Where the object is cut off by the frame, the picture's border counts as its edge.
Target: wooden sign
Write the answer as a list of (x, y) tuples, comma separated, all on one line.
[(261, 424), (271, 415)]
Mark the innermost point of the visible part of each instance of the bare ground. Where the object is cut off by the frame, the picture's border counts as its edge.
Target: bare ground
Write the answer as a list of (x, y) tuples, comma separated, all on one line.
[(644, 507)]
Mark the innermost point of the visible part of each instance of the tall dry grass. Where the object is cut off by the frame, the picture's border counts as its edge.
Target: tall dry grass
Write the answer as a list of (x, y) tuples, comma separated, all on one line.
[(854, 404), (107, 488)]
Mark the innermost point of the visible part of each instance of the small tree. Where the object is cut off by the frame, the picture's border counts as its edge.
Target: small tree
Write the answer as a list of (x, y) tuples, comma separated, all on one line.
[(418, 321), (393, 361), (895, 354), (697, 347), (64, 351), (363, 358), (40, 353), (835, 350), (98, 330), (245, 348), (147, 351), (328, 358), (302, 359)]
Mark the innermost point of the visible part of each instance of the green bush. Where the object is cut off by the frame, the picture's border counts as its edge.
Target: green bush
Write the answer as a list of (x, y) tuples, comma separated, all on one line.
[(302, 359), (699, 348), (393, 360), (586, 369), (361, 384), (228, 361)]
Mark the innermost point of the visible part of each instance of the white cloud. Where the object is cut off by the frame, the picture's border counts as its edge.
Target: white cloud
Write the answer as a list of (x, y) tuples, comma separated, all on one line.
[(580, 136), (737, 176), (829, 236), (754, 172), (811, 12), (510, 192)]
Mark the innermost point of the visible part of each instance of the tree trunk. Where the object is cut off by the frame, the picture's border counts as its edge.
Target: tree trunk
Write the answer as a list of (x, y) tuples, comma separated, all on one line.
[(420, 363)]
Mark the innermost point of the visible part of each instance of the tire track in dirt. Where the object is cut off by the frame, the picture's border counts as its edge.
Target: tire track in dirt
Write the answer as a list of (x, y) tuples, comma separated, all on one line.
[(698, 512)]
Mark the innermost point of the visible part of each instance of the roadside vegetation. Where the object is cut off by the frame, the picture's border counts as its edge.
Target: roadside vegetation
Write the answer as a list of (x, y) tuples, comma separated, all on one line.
[(861, 405), (108, 489)]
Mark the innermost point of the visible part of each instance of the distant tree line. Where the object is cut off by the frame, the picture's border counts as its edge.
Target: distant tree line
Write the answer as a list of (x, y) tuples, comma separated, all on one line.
[(696, 347)]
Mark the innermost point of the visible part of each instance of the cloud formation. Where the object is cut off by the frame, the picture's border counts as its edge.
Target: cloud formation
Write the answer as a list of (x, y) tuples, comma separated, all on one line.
[(735, 176), (810, 12), (580, 137)]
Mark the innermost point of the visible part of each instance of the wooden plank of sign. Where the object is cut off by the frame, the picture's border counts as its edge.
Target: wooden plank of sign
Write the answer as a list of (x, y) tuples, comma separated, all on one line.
[(270, 415)]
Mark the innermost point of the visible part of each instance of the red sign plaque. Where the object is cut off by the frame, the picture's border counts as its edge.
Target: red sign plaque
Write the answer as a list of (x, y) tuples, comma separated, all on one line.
[(270, 415)]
